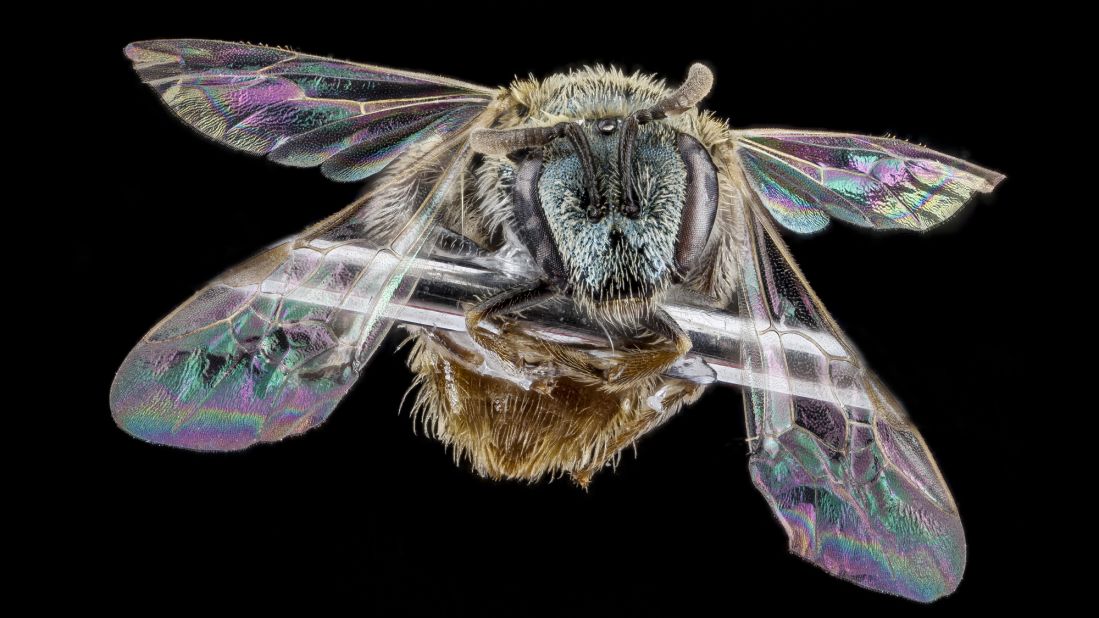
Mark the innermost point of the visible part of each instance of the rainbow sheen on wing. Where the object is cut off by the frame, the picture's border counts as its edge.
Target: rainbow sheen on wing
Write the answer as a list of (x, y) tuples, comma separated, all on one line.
[(269, 349), (237, 365), (845, 472), (303, 111), (804, 178)]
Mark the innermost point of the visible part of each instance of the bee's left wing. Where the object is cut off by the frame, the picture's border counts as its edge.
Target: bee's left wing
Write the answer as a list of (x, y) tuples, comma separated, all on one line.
[(806, 177), (846, 473), (351, 119)]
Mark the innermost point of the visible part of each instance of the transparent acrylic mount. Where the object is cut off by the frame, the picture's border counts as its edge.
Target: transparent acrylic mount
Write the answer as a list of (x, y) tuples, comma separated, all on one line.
[(448, 282)]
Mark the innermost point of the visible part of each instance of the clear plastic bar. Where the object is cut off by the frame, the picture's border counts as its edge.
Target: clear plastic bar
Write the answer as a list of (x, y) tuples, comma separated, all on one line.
[(450, 282)]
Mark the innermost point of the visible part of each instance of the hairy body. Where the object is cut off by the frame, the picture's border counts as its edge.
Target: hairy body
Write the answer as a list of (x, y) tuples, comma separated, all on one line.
[(618, 270)]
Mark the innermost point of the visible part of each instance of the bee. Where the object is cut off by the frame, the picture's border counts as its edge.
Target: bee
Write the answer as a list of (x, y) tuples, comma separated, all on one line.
[(603, 200)]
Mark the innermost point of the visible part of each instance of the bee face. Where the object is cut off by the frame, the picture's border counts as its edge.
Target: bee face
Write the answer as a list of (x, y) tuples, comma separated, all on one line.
[(612, 254), (616, 239)]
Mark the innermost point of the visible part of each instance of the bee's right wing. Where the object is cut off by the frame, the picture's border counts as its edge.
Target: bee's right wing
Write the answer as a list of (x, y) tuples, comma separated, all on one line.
[(268, 349), (351, 119)]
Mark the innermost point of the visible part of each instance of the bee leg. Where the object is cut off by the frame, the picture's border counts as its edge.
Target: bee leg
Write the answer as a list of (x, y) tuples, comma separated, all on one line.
[(639, 364), (508, 301), (453, 244), (629, 368)]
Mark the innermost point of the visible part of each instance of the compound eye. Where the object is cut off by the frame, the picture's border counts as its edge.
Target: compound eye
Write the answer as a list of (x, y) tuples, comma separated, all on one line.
[(531, 224), (700, 208), (607, 126)]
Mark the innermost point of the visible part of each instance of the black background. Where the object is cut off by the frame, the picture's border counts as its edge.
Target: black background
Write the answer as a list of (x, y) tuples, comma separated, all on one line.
[(364, 509)]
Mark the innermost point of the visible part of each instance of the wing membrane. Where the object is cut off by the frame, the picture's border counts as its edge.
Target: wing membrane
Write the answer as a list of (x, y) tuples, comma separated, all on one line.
[(845, 472), (268, 349), (806, 177), (301, 110)]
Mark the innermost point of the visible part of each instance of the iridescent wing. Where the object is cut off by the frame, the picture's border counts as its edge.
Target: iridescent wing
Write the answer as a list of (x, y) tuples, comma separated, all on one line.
[(806, 177), (268, 349), (300, 110), (847, 474)]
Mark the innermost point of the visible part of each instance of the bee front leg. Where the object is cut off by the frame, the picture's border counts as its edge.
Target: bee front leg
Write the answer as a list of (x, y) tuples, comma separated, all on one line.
[(639, 364), (627, 369), (508, 301), (511, 342)]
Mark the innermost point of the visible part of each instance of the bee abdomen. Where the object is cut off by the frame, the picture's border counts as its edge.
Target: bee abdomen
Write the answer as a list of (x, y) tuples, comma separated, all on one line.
[(564, 426)]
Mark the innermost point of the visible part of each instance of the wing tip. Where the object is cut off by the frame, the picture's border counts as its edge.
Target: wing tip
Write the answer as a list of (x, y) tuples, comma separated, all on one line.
[(918, 552), (913, 579), (134, 50), (148, 53), (151, 425), (147, 410), (992, 180)]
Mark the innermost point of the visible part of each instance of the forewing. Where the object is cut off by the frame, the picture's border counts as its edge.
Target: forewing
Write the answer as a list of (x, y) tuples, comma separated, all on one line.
[(844, 470), (806, 177), (300, 110), (268, 349)]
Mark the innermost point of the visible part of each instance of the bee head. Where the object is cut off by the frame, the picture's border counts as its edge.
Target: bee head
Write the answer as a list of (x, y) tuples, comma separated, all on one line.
[(612, 209)]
